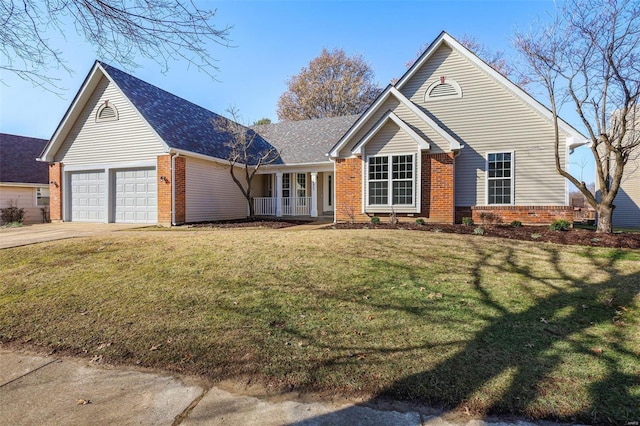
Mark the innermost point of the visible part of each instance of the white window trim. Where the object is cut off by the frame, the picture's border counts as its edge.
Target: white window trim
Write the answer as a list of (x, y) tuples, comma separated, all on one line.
[(486, 177), (427, 93), (398, 208)]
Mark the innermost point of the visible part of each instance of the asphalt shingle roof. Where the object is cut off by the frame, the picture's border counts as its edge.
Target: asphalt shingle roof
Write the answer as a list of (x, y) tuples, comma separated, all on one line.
[(306, 141), (181, 124), (18, 160)]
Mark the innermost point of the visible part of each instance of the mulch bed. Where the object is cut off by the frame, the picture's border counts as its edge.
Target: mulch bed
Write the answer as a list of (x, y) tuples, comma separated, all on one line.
[(250, 223), (583, 237)]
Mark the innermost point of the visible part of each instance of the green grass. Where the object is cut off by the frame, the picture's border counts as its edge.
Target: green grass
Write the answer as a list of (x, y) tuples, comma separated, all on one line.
[(485, 325)]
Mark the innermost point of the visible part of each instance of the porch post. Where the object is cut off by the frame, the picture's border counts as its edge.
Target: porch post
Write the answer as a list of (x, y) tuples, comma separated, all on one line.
[(278, 194), (314, 194)]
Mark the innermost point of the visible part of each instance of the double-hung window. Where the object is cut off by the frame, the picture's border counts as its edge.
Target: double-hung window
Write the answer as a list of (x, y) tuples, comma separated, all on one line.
[(391, 180), (500, 178)]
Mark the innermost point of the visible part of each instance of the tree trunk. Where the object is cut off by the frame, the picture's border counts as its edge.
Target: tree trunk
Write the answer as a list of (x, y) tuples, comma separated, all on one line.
[(252, 210), (605, 216)]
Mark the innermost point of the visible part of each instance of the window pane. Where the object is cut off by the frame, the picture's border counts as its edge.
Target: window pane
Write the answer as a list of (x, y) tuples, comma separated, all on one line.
[(500, 191), (403, 192), (402, 166), (378, 193), (378, 168)]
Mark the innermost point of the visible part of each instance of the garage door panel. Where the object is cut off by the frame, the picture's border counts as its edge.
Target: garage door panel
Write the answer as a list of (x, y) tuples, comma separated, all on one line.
[(135, 196), (88, 197)]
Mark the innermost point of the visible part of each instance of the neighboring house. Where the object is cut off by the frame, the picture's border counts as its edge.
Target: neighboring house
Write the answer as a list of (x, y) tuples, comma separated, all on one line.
[(24, 182), (452, 138)]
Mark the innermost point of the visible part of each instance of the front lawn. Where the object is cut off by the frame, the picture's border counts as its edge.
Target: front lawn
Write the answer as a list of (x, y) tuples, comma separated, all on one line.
[(468, 322)]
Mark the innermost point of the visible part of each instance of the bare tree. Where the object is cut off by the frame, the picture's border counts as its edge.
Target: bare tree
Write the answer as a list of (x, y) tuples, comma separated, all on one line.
[(495, 59), (333, 85), (589, 57), (247, 151), (121, 31)]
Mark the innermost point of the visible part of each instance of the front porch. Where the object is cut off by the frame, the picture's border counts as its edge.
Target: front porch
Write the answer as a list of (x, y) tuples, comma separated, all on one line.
[(301, 194)]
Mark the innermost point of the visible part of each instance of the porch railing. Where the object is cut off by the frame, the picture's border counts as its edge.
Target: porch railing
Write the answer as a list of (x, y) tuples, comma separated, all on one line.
[(292, 206), (265, 206)]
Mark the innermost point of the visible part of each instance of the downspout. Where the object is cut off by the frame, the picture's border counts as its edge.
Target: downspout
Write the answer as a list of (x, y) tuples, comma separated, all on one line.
[(173, 189)]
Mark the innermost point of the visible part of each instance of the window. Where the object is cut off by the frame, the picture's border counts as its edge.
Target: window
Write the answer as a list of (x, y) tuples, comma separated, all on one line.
[(301, 188), (391, 187), (286, 185), (42, 196), (378, 180), (500, 178), (443, 89), (107, 112)]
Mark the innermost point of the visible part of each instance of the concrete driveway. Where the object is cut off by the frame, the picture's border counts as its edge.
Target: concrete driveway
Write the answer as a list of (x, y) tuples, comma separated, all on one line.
[(32, 234)]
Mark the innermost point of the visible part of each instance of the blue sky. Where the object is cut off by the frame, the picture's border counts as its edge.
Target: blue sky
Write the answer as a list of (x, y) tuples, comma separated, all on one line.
[(272, 41)]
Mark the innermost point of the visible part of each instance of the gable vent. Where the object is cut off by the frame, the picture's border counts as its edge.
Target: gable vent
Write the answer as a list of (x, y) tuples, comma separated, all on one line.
[(107, 112), (443, 89)]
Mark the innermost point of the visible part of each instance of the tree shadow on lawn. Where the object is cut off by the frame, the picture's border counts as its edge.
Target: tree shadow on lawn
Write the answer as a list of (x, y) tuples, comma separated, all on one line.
[(525, 362)]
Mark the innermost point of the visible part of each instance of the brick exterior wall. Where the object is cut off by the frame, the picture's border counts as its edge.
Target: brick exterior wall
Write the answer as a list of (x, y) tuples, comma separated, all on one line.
[(55, 192), (438, 196), (348, 201), (180, 186), (437, 186), (165, 187), (528, 215)]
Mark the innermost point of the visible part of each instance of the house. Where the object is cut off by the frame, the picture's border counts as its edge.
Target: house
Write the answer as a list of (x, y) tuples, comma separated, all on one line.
[(24, 182), (627, 203), (127, 151), (452, 138)]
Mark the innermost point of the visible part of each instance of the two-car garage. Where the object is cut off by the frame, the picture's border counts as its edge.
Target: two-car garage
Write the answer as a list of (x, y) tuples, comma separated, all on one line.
[(113, 195)]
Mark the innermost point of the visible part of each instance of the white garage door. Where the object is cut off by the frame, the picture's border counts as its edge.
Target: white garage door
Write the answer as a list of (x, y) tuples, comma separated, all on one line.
[(135, 196), (88, 197)]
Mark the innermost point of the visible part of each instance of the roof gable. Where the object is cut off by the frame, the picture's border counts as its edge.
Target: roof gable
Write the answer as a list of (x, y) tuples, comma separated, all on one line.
[(179, 124), (390, 116), (444, 38), (391, 91), (18, 160)]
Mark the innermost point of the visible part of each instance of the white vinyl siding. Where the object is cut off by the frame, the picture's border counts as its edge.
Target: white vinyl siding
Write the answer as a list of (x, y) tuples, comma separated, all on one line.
[(211, 194), (127, 139), (490, 118), (135, 196), (627, 202), (23, 197), (390, 139), (437, 142), (87, 201)]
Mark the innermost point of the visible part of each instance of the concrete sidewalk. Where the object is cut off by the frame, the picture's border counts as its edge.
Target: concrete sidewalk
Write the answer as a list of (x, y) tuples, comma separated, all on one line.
[(37, 390)]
